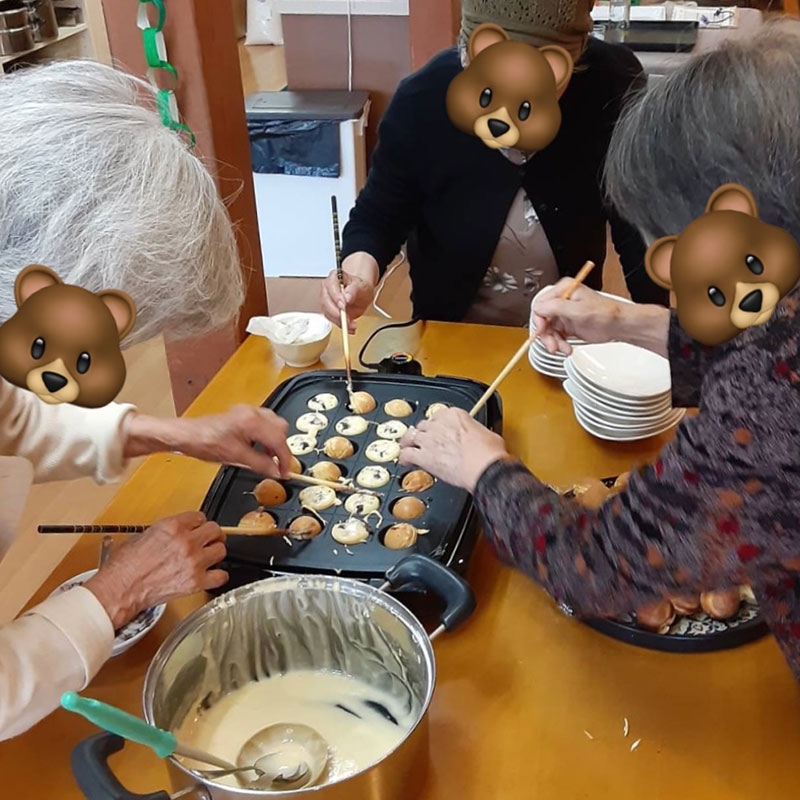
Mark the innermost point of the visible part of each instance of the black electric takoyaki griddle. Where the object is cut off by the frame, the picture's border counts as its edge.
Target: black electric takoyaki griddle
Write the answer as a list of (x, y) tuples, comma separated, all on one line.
[(451, 518)]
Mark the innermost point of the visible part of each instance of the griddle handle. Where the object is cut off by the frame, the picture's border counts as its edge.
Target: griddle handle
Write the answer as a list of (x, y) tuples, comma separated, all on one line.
[(93, 774), (456, 593)]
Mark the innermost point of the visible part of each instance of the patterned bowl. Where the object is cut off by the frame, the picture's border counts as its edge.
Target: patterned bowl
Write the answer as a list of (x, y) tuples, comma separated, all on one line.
[(131, 633)]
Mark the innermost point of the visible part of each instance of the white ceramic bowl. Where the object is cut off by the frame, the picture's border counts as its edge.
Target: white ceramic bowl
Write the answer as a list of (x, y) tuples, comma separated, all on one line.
[(614, 402), (609, 414), (624, 370), (308, 351), (134, 631), (550, 370), (616, 435)]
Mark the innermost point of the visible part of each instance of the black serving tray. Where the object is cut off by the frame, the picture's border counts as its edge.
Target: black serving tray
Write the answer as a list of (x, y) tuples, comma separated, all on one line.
[(697, 633), (451, 518)]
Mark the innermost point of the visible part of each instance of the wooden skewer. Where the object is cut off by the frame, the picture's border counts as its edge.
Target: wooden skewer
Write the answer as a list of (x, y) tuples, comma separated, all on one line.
[(576, 282), (342, 312), (346, 349), (339, 487), (107, 529)]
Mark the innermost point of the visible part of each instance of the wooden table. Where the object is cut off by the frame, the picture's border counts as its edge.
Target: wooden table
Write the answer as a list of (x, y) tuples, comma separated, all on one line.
[(520, 683)]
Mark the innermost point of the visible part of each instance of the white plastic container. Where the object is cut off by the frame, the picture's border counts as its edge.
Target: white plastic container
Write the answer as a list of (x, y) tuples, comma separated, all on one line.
[(307, 350)]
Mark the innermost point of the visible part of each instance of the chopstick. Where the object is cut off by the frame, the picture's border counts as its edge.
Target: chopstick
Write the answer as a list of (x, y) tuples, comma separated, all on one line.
[(576, 282), (339, 487), (227, 529), (342, 312)]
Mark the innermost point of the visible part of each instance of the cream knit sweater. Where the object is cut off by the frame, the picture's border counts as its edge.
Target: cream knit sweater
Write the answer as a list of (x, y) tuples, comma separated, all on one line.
[(60, 644)]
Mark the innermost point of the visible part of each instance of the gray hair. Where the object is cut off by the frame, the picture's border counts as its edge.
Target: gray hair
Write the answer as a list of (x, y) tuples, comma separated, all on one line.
[(729, 115), (94, 186)]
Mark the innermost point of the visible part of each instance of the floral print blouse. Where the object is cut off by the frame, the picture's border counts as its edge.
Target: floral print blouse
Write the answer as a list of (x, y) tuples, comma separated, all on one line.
[(718, 509)]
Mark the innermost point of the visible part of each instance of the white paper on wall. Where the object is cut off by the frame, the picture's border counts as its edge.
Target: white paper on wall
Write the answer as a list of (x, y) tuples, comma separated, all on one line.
[(263, 22)]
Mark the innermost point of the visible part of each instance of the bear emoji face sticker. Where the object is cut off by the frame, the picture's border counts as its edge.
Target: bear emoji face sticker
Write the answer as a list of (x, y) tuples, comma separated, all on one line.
[(63, 344), (728, 269), (508, 95)]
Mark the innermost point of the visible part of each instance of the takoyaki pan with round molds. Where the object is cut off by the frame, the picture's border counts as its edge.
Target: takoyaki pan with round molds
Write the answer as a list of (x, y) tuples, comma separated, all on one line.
[(415, 514)]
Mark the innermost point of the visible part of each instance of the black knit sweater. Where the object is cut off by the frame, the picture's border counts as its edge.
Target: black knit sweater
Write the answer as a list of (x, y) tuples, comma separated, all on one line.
[(448, 195)]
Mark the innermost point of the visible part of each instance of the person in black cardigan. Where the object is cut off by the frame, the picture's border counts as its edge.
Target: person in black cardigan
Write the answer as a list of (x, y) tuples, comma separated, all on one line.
[(449, 197)]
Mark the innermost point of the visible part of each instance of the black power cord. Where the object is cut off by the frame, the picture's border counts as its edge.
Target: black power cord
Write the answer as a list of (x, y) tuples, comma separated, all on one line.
[(396, 363)]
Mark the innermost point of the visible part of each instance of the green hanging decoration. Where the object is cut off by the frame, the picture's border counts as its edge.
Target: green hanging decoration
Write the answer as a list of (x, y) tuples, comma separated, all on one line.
[(159, 69)]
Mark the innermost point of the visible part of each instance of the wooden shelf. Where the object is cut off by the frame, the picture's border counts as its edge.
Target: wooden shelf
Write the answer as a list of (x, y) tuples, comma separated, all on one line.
[(63, 33)]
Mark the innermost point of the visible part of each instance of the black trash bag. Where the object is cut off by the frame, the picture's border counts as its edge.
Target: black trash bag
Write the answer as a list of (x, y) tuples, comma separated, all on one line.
[(302, 147)]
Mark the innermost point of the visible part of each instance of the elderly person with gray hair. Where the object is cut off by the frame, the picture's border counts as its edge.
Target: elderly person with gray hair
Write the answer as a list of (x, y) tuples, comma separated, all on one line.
[(721, 506), (94, 186)]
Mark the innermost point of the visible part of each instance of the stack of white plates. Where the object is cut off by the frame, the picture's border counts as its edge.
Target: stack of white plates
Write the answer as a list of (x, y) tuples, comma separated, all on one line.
[(552, 364), (619, 392)]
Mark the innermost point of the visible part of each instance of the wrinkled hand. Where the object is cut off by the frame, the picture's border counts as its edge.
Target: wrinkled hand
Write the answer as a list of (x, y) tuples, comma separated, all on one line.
[(171, 559), (358, 295), (453, 447), (586, 315), (227, 438)]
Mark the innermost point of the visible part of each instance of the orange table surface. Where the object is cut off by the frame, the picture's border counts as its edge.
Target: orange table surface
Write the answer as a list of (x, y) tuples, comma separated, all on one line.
[(520, 683)]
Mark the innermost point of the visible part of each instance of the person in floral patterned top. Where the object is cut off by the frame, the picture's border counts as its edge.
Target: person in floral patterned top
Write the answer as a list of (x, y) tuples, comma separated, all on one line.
[(721, 505)]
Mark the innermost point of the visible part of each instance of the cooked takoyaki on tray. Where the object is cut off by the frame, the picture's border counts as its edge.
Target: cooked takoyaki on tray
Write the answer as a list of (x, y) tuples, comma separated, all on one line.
[(391, 510), (714, 620)]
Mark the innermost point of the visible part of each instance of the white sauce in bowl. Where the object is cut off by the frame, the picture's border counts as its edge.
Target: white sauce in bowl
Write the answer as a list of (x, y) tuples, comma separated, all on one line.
[(345, 711)]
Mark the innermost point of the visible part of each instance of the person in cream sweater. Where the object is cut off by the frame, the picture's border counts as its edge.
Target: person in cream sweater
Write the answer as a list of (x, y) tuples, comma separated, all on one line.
[(111, 199)]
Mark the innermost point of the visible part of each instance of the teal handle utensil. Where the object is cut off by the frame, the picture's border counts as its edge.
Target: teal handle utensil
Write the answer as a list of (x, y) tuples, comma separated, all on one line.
[(115, 720)]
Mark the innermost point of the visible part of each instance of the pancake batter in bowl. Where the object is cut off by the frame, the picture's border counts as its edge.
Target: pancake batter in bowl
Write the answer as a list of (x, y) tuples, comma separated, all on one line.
[(360, 723)]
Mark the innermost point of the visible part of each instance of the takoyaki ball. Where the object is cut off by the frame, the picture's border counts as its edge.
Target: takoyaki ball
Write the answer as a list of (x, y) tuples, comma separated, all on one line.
[(294, 464), (373, 477), (656, 616), (383, 451), (353, 531), (323, 402), (362, 403), (338, 447), (591, 493), (417, 481), (269, 493), (312, 422), (408, 508), (685, 604), (393, 429), (721, 604), (318, 498), (257, 519), (619, 484), (400, 536), (325, 471), (398, 408), (435, 408), (301, 444), (746, 593), (622, 481), (362, 504), (305, 527), (351, 426)]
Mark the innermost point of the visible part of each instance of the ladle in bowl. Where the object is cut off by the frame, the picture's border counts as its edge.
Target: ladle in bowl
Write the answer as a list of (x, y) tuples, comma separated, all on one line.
[(281, 781), (162, 743), (289, 756)]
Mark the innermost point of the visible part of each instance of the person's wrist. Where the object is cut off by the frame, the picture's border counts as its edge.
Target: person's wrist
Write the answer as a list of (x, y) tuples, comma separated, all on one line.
[(480, 466), (645, 326), (144, 435), (117, 598)]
